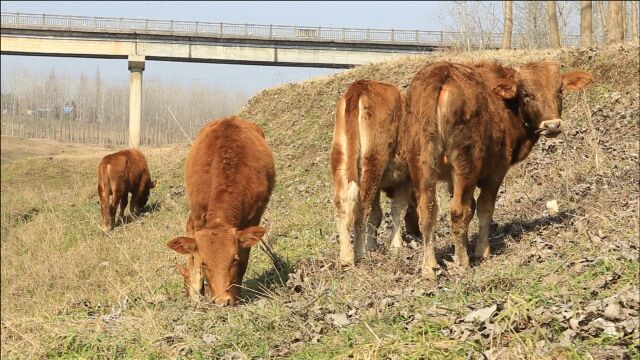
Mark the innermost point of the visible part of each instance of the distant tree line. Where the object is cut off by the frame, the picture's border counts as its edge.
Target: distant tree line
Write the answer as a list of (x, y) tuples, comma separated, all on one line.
[(543, 24), (92, 111)]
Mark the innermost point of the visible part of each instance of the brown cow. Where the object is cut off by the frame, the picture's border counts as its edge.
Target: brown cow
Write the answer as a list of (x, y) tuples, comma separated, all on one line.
[(363, 162), (469, 134), (229, 176), (119, 174)]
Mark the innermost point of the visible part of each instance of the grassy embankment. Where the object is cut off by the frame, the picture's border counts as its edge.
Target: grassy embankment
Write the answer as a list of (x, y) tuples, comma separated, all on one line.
[(71, 291)]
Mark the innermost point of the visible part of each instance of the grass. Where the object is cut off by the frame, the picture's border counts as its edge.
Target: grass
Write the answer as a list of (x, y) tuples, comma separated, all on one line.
[(71, 291)]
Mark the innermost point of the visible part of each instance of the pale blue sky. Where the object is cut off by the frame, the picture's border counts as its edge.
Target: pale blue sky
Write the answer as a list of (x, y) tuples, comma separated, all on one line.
[(250, 79)]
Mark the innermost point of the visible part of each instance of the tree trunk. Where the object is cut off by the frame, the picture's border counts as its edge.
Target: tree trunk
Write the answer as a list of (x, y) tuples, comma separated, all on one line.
[(586, 23), (615, 31), (634, 23), (508, 24), (554, 34), (603, 19)]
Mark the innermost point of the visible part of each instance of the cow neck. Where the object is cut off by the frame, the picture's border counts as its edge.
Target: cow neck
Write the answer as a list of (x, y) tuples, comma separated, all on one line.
[(525, 136), (222, 207)]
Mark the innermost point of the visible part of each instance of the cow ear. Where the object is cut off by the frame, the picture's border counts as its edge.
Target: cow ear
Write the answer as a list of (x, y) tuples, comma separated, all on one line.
[(505, 89), (183, 270), (250, 236), (153, 184), (576, 80), (183, 245)]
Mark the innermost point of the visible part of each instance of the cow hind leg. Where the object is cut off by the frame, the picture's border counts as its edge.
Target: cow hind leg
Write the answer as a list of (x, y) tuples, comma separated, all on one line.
[(486, 205), (124, 199), (346, 203), (375, 219), (427, 206), (369, 192), (461, 211), (113, 207), (372, 170), (399, 205), (105, 208)]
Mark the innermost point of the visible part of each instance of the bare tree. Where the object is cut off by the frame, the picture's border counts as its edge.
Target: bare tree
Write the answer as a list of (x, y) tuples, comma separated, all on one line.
[(615, 29), (602, 17), (586, 23), (508, 24), (634, 23), (554, 33)]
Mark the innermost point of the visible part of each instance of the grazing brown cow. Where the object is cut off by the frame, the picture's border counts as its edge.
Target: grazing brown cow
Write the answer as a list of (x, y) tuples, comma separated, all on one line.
[(469, 133), (363, 162), (229, 176), (119, 174)]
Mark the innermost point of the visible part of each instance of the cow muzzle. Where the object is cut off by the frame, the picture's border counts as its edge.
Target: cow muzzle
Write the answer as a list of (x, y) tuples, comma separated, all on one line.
[(550, 128)]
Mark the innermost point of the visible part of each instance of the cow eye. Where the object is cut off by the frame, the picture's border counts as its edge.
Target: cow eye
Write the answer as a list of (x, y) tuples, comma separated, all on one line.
[(235, 258)]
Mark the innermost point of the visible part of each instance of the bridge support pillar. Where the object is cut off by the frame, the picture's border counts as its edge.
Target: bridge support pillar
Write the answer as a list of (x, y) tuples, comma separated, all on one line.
[(136, 67)]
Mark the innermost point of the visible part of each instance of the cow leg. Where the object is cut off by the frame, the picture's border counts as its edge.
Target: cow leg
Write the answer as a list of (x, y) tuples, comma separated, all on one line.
[(346, 206), (375, 219), (462, 210), (411, 219), (194, 283), (123, 205), (369, 192), (105, 209), (486, 205), (399, 206), (427, 206), (113, 208)]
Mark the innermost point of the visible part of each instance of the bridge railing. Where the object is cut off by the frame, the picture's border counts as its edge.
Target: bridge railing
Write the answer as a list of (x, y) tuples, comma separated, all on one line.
[(280, 32)]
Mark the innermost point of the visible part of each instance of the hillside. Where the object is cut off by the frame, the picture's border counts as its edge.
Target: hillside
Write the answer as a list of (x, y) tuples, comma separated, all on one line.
[(559, 286)]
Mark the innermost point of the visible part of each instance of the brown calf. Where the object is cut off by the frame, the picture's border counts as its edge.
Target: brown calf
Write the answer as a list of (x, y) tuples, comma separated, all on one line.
[(119, 174), (229, 176), (363, 162), (469, 133)]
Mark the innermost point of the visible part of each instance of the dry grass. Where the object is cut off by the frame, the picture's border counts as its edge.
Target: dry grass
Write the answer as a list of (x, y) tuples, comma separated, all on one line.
[(71, 291)]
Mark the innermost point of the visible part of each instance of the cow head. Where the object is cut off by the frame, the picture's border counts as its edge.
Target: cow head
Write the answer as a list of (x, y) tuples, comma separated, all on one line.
[(224, 252), (539, 94)]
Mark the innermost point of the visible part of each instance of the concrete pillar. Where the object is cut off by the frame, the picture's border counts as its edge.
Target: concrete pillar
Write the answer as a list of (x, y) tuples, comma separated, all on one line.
[(136, 67)]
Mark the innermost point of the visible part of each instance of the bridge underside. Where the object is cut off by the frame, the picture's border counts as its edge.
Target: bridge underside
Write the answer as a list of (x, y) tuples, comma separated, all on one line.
[(321, 54)]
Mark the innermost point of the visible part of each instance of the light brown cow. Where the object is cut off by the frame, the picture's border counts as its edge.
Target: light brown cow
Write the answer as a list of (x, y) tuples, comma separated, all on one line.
[(363, 162), (229, 176), (119, 174), (469, 134)]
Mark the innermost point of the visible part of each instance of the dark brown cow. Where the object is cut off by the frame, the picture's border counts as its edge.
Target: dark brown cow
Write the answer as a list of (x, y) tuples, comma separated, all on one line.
[(365, 137), (119, 174), (229, 176), (469, 134)]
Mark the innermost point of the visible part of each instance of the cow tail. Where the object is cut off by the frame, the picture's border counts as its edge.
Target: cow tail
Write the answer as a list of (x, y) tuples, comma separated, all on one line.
[(352, 118)]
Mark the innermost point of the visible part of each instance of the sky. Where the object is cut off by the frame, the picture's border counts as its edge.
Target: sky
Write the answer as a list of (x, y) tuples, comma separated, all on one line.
[(249, 79)]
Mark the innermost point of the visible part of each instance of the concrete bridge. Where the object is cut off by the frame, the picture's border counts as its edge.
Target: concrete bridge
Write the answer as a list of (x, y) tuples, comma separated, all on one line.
[(139, 40)]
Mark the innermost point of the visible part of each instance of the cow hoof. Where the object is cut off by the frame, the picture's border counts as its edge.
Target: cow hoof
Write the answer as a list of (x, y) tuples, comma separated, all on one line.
[(461, 261), (394, 251), (429, 273), (348, 260)]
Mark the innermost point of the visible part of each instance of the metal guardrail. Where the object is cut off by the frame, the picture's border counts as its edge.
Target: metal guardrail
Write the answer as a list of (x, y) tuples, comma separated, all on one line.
[(253, 31)]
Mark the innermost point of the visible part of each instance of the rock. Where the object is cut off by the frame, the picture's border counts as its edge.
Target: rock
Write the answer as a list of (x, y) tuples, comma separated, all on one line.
[(612, 311), (339, 320), (209, 338), (552, 206)]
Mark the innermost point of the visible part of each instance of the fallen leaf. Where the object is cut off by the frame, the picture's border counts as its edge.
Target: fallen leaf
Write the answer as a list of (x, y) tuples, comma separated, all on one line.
[(481, 314)]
